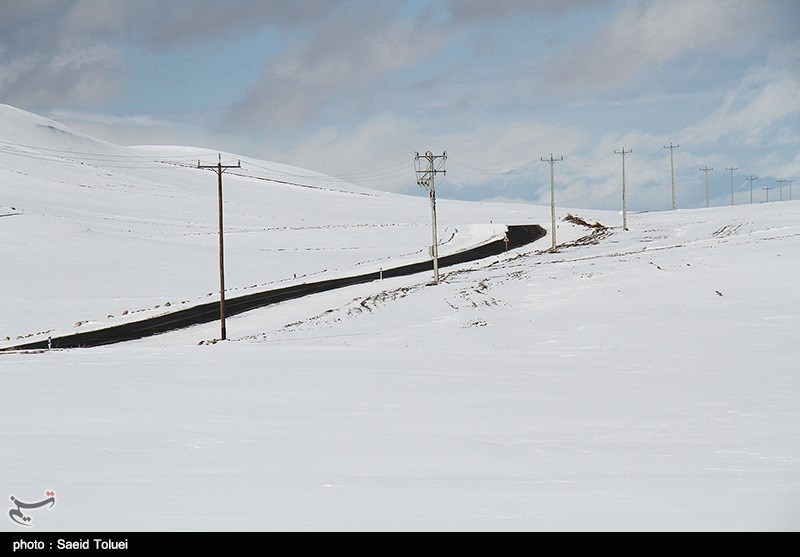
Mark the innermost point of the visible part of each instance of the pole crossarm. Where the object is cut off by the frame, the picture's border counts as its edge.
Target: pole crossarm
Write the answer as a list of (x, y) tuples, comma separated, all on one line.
[(219, 168), (426, 176)]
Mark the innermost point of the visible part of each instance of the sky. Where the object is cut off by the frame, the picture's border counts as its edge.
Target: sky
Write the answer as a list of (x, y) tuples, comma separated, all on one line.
[(356, 88)]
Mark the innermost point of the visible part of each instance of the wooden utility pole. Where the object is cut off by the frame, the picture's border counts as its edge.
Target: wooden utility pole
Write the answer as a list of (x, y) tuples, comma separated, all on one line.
[(731, 169), (766, 189), (706, 169), (219, 169), (553, 162), (427, 178), (672, 168), (624, 200)]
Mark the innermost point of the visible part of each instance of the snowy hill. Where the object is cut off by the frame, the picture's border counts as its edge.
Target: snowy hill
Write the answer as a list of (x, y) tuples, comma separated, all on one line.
[(631, 380), (102, 230)]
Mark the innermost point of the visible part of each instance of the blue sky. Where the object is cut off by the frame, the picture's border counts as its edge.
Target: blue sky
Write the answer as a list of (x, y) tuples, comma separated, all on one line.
[(354, 88)]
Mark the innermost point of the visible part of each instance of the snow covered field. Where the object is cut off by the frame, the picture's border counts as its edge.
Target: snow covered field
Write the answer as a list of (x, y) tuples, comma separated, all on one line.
[(632, 380)]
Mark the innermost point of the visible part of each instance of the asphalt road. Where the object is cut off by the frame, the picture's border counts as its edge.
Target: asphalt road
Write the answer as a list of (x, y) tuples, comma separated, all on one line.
[(206, 313)]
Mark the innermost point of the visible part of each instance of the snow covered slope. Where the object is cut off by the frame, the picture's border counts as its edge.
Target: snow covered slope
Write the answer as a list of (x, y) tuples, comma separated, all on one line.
[(95, 230), (631, 380)]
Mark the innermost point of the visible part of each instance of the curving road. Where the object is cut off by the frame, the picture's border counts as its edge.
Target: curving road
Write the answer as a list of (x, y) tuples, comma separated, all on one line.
[(206, 313)]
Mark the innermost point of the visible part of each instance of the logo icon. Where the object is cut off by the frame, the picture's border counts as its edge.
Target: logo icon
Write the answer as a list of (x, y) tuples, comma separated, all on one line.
[(18, 516)]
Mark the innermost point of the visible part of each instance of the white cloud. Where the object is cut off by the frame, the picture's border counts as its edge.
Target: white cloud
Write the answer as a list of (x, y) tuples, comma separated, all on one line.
[(356, 91), (76, 72), (647, 35), (752, 110), (375, 154), (296, 85), (478, 11)]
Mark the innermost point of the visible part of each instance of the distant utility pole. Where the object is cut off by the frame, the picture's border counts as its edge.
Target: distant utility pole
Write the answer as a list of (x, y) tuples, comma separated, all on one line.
[(219, 169), (752, 178), (553, 162), (731, 171), (426, 177), (624, 200), (672, 167), (706, 169), (766, 189), (781, 182), (790, 187)]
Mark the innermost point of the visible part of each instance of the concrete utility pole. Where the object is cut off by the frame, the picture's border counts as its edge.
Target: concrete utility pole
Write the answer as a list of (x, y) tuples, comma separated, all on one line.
[(427, 178), (790, 187), (553, 162), (672, 168), (219, 169), (752, 178), (781, 182), (624, 200), (706, 169), (731, 171), (766, 189)]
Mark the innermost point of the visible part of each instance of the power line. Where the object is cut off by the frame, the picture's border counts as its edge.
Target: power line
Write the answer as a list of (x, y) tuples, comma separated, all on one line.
[(85, 155), (491, 171), (107, 160), (395, 169), (142, 160)]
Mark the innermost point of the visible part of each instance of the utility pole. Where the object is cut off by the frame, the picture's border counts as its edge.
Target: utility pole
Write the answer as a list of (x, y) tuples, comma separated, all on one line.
[(672, 168), (706, 169), (219, 169), (624, 200), (731, 169), (427, 179), (553, 162), (752, 178), (766, 189), (781, 182), (790, 187)]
